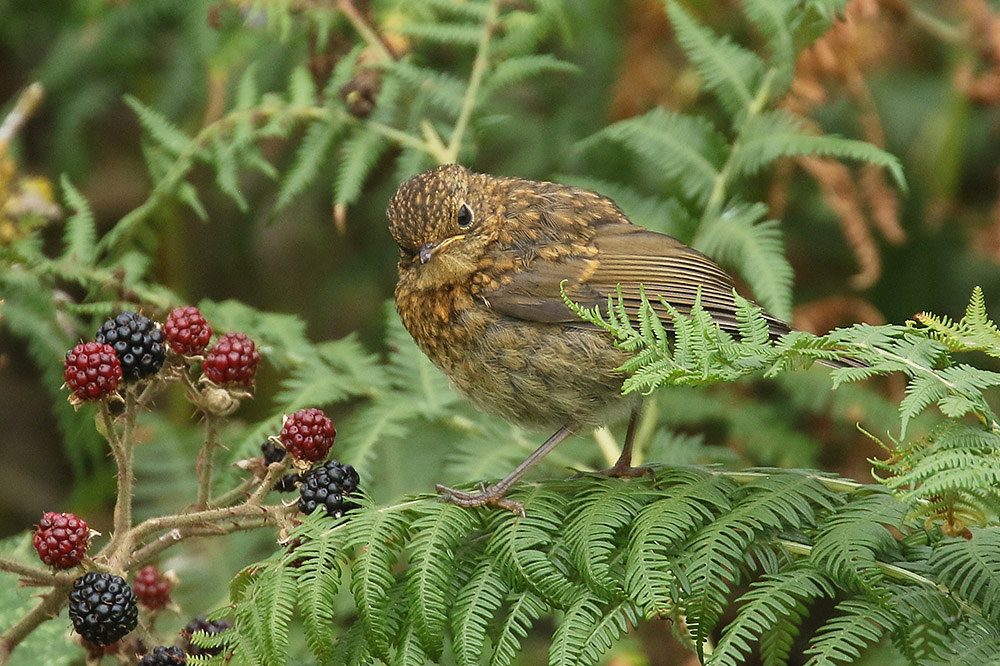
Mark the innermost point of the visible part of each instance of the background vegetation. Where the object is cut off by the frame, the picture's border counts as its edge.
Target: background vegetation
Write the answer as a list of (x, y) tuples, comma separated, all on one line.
[(240, 156)]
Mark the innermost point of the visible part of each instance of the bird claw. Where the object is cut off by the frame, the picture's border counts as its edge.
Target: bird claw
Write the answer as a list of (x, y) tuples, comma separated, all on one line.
[(492, 495)]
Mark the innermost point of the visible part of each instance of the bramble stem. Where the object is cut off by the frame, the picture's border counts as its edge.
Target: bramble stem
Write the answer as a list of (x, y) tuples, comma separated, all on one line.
[(34, 575), (123, 448), (204, 465)]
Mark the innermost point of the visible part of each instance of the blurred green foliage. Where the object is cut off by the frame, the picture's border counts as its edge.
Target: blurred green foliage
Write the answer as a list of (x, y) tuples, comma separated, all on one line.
[(240, 155)]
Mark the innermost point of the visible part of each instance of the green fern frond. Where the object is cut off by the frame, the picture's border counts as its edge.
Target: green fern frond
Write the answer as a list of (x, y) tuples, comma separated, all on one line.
[(170, 137), (777, 133), (587, 630), (841, 640), (522, 610), (309, 158), (730, 71), (437, 533), (80, 237), (441, 90), (381, 535), (449, 34), (777, 21), (318, 554), (848, 544), (683, 149), (971, 568), (477, 603), (740, 237), (515, 69), (975, 332), (772, 604)]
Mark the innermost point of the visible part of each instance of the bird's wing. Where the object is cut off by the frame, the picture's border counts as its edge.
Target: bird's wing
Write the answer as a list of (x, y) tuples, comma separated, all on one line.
[(629, 256)]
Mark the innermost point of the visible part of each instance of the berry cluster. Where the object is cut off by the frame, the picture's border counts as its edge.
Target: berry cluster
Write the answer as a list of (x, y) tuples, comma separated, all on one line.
[(164, 656), (186, 331), (202, 624), (152, 589), (131, 347), (233, 360), (326, 486), (61, 540), (137, 341), (102, 607), (308, 434), (92, 370)]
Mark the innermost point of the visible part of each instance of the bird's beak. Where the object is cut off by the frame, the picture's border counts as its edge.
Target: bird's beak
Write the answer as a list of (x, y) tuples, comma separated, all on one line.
[(428, 250)]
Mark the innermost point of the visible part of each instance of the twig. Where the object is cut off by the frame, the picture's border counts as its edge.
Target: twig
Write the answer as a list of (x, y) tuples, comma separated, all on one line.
[(363, 29), (18, 116), (475, 80), (35, 575), (123, 447), (204, 465)]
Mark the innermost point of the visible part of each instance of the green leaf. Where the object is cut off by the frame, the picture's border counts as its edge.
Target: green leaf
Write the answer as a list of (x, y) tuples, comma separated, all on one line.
[(162, 131)]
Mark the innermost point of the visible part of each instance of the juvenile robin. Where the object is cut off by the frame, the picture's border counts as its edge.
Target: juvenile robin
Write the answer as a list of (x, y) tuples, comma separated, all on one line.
[(481, 260)]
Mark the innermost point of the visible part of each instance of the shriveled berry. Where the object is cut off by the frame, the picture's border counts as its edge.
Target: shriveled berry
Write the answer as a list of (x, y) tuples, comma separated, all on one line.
[(200, 623), (308, 434), (102, 607), (288, 483), (272, 453), (164, 656), (326, 486), (92, 370), (232, 360), (152, 589), (186, 330), (138, 343), (61, 540)]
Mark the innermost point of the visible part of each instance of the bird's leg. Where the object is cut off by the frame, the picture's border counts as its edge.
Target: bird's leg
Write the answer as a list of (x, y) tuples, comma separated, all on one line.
[(622, 469), (495, 494)]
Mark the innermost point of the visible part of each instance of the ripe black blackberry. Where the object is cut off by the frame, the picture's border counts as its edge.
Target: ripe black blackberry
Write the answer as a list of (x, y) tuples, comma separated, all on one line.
[(92, 370), (138, 343), (308, 434), (164, 656), (61, 539), (326, 486), (186, 330), (102, 607), (232, 360), (201, 623)]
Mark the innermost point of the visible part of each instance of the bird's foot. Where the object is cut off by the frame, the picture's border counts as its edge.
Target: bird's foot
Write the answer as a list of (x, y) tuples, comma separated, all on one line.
[(624, 470), (487, 495)]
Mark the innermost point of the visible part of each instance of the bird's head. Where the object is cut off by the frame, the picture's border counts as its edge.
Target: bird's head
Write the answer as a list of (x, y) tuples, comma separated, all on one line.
[(442, 220)]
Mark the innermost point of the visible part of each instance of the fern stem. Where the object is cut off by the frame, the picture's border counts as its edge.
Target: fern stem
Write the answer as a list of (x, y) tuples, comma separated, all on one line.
[(890, 570), (371, 38), (475, 81), (721, 183), (837, 485), (400, 137)]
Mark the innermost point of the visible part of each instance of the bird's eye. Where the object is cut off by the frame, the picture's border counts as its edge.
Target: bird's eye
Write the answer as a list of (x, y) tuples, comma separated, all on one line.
[(464, 216)]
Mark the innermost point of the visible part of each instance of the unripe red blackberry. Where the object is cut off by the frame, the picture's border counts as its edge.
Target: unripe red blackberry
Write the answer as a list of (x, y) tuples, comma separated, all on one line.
[(232, 360), (92, 370), (200, 623), (326, 486), (186, 331), (164, 656), (152, 589), (138, 343), (61, 540), (102, 607), (308, 434)]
